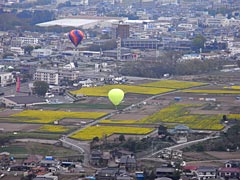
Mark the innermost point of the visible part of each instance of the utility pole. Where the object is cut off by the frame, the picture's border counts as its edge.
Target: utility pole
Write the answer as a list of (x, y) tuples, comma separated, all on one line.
[(119, 48)]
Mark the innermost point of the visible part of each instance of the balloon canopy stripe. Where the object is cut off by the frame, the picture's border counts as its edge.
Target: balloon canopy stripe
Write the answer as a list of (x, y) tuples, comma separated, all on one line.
[(76, 37)]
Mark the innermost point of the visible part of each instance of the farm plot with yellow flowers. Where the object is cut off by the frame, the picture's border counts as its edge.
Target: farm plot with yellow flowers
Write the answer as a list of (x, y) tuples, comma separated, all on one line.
[(212, 91), (103, 90), (180, 113), (173, 84), (177, 114), (38, 116), (100, 131), (54, 129)]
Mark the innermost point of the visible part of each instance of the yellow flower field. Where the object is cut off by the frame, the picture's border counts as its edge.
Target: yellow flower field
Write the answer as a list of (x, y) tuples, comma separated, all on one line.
[(103, 90), (54, 129), (236, 87), (118, 121), (173, 84), (211, 91), (37, 116), (179, 113), (233, 116), (100, 131)]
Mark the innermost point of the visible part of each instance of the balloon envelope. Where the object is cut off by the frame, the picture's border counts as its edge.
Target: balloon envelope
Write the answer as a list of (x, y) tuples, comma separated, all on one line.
[(116, 96), (76, 37)]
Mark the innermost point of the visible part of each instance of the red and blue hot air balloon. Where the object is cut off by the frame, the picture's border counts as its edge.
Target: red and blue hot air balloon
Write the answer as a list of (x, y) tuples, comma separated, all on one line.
[(76, 36)]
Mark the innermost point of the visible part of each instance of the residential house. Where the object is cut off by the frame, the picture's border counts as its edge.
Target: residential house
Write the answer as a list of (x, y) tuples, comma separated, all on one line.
[(204, 172), (107, 174), (49, 163), (180, 133), (229, 172), (117, 154), (232, 164), (96, 157), (189, 171), (4, 159), (165, 172), (128, 162), (32, 161), (125, 177)]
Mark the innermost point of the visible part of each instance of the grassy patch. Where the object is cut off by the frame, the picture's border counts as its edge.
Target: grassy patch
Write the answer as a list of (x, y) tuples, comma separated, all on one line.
[(38, 148), (14, 149), (22, 135)]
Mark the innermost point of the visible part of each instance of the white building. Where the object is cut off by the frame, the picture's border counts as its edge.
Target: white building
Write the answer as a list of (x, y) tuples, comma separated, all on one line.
[(28, 40), (6, 78), (206, 172), (17, 50), (41, 52), (217, 21), (47, 75), (164, 2), (69, 74)]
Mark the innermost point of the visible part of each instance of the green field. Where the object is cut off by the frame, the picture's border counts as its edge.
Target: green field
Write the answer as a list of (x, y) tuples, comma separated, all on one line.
[(173, 84), (22, 135), (103, 90), (25, 149)]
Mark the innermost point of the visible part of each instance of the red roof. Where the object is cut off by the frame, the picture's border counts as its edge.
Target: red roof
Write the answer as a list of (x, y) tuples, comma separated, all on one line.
[(228, 169), (192, 168)]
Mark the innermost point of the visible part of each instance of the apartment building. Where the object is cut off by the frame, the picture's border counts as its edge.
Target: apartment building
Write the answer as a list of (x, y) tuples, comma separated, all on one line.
[(48, 75), (6, 78)]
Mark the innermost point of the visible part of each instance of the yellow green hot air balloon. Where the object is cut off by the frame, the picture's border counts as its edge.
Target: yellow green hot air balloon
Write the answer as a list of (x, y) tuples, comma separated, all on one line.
[(116, 96)]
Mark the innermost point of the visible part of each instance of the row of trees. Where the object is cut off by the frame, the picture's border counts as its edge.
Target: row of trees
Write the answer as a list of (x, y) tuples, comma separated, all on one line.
[(156, 69)]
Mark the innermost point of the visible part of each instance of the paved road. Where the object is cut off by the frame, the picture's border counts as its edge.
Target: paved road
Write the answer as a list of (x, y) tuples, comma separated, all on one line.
[(183, 145), (81, 146)]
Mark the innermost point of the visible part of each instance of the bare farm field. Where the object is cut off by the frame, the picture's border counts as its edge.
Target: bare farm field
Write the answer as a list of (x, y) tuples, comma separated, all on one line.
[(210, 158), (11, 127)]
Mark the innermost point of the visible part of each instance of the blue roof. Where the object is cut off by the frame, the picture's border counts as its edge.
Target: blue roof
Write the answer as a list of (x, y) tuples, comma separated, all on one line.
[(181, 127)]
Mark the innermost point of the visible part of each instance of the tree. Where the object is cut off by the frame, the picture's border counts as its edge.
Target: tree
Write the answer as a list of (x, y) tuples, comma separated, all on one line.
[(224, 118), (198, 42), (40, 88), (238, 63), (28, 49), (96, 139), (121, 138)]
